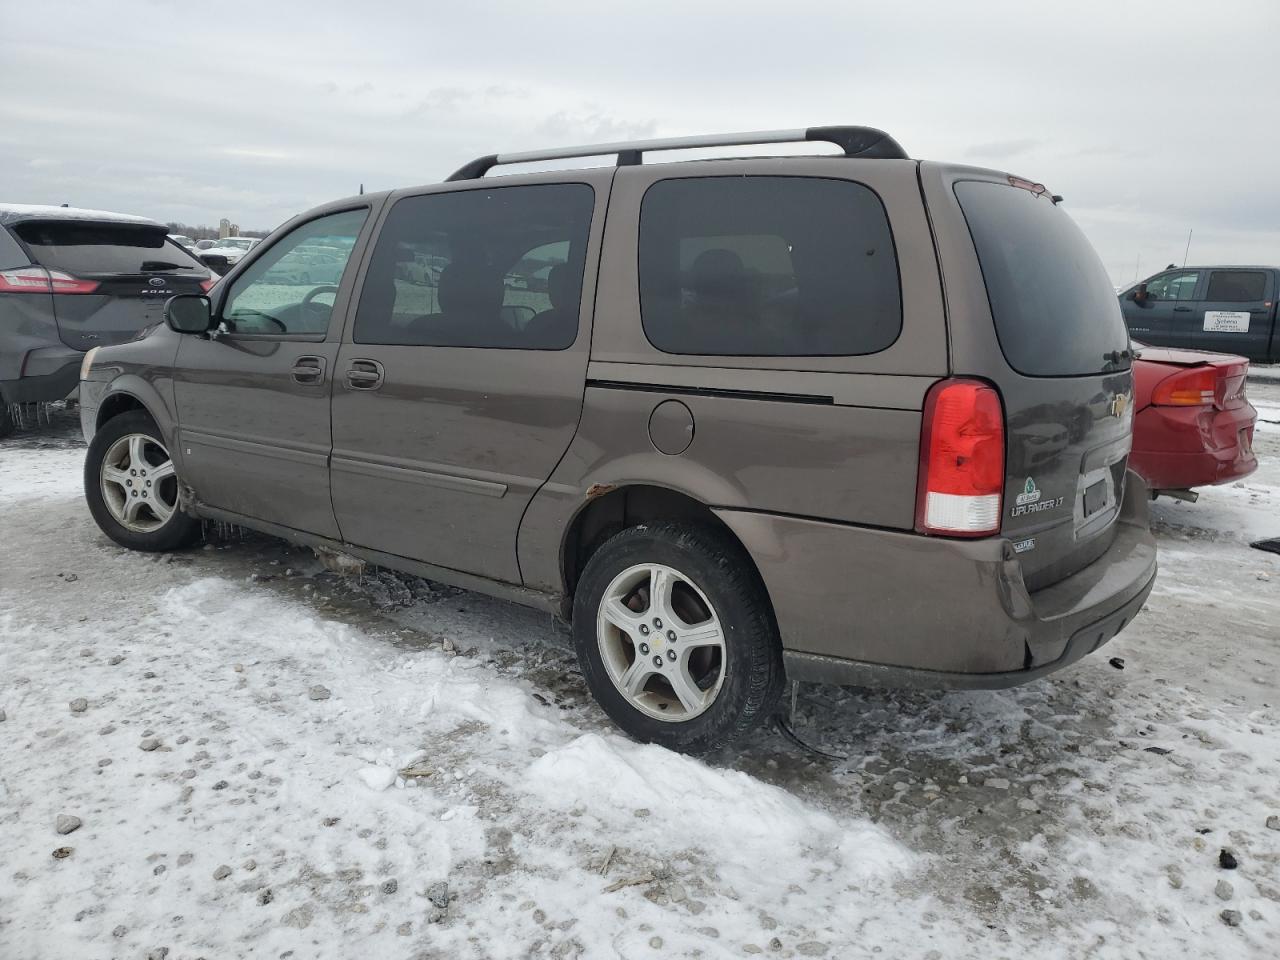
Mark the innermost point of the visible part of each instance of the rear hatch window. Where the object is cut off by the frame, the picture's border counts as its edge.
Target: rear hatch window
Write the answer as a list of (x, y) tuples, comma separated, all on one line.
[(105, 249), (1055, 310)]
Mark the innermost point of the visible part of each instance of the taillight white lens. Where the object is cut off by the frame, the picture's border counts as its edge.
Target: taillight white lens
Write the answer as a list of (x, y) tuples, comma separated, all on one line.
[(961, 514), (961, 479)]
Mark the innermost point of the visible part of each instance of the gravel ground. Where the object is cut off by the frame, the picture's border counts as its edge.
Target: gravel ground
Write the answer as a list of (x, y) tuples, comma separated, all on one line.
[(231, 752)]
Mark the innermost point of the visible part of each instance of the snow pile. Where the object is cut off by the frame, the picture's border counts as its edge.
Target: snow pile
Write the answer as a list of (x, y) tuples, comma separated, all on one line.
[(273, 817)]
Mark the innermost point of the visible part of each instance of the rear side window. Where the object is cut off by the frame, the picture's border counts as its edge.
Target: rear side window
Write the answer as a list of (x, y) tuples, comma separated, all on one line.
[(1237, 286), (498, 268), (1055, 310), (11, 255), (94, 249), (767, 266)]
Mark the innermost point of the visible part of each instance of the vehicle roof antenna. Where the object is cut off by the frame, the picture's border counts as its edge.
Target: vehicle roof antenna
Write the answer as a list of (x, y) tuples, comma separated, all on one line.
[(362, 189)]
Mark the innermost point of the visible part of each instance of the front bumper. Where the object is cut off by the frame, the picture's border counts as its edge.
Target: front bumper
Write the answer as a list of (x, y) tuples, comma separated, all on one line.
[(880, 608)]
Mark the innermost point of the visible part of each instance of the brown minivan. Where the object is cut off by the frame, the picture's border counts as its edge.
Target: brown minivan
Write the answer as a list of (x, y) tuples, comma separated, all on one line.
[(849, 418)]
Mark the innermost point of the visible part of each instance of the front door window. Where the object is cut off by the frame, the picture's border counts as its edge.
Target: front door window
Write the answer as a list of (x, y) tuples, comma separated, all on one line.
[(1173, 286), (291, 288)]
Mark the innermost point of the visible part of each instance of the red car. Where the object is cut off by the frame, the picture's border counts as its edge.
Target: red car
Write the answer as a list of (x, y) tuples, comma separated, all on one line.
[(1192, 424)]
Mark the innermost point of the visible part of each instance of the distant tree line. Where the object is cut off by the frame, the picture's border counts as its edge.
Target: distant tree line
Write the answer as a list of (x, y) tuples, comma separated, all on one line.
[(203, 232)]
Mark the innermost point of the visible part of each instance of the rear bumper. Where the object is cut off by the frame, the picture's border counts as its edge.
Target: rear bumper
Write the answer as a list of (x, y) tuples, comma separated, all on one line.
[(46, 382), (1178, 448), (877, 608)]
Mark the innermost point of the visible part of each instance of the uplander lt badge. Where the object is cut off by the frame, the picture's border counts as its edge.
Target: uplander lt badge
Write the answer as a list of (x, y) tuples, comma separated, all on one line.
[(1028, 501)]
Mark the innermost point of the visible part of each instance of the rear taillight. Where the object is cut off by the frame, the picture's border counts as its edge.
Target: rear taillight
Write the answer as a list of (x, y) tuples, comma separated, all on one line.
[(961, 460), (1196, 387), (207, 285), (40, 280)]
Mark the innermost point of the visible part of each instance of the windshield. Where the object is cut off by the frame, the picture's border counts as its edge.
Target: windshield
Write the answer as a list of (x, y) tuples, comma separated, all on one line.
[(236, 242), (1055, 311)]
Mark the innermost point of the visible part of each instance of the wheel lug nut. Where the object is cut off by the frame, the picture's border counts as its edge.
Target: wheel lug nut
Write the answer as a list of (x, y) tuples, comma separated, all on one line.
[(657, 623), (149, 484), (644, 630), (133, 492), (133, 473), (644, 649), (657, 661), (671, 655), (671, 634)]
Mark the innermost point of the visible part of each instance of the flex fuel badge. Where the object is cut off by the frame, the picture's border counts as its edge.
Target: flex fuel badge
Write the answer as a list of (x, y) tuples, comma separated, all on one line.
[(1030, 501)]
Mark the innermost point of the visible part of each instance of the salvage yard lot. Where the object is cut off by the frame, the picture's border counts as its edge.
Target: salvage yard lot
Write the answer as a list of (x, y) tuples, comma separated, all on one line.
[(270, 758)]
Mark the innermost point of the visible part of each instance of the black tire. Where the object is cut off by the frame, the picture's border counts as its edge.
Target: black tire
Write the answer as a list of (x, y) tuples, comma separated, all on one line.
[(752, 660), (178, 531)]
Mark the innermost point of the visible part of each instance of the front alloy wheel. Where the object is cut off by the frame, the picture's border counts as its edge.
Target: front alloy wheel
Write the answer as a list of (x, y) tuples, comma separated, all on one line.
[(131, 485), (139, 484)]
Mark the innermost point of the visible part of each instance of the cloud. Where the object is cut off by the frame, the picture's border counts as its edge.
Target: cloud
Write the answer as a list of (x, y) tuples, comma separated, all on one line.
[(1002, 149), (167, 111)]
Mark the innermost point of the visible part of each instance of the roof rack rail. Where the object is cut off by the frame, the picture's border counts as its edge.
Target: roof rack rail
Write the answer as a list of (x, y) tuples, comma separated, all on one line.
[(865, 142)]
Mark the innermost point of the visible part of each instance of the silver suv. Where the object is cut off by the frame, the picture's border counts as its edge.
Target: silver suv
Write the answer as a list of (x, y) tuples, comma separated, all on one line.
[(852, 418)]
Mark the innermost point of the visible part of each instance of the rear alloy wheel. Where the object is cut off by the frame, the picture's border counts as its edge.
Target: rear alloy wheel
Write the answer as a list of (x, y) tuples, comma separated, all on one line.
[(668, 665), (132, 486), (675, 636)]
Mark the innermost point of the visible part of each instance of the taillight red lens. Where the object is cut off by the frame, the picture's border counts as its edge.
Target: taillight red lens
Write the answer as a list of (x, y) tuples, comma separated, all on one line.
[(961, 479), (1196, 387), (40, 280), (207, 285), (66, 283)]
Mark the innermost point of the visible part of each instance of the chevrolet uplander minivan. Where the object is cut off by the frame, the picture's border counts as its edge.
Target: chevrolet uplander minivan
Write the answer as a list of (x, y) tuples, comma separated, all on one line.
[(847, 418)]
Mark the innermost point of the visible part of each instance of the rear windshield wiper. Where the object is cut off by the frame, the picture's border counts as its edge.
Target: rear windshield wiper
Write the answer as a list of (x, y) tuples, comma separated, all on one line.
[(1117, 360), (157, 265)]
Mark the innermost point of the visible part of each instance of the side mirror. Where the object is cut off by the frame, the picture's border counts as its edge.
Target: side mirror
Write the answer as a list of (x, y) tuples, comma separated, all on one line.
[(189, 313)]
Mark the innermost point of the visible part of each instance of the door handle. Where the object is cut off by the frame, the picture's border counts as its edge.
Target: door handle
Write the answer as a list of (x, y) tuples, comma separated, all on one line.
[(308, 370), (364, 375), (1182, 310)]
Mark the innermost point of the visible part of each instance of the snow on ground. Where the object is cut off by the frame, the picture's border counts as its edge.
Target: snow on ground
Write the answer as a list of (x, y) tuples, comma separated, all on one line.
[(393, 768)]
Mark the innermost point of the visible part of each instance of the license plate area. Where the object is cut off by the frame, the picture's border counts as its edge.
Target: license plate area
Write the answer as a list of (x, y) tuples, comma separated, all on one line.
[(1096, 498), (1096, 501)]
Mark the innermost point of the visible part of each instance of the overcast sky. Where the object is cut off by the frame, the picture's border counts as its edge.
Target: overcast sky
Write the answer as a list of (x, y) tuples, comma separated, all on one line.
[(1150, 118)]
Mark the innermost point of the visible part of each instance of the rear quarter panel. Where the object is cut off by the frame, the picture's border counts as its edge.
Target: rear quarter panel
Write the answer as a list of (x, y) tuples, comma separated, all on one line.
[(830, 437)]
